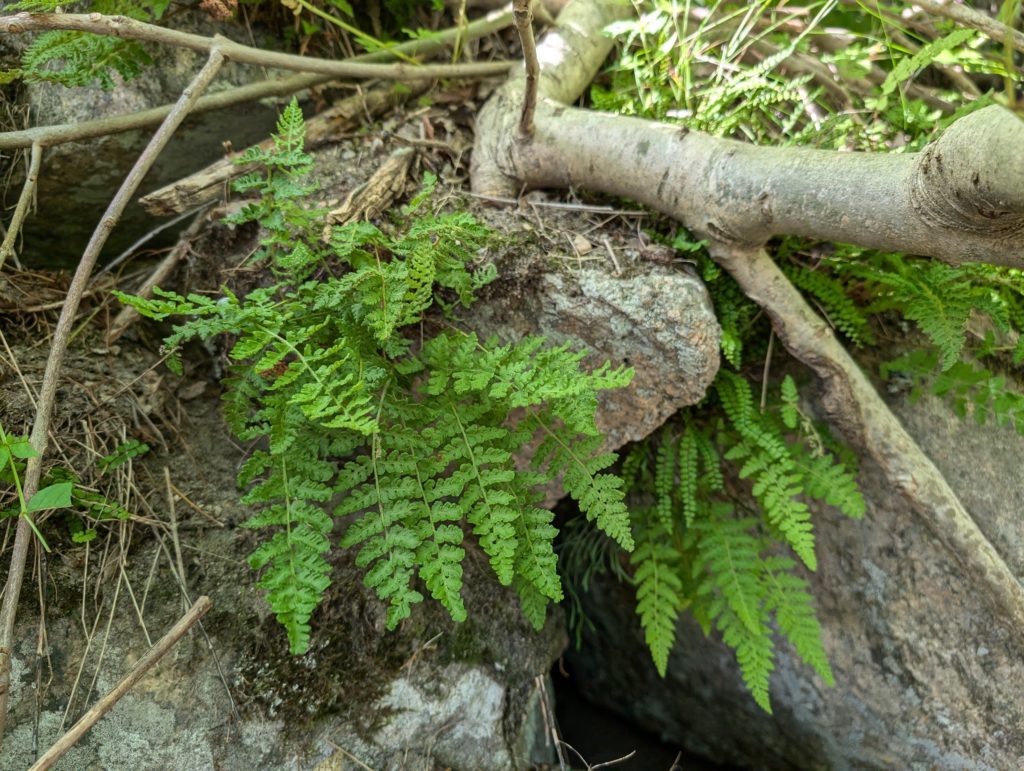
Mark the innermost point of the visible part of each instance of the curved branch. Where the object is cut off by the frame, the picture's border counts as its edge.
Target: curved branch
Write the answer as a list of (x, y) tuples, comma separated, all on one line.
[(962, 198), (854, 405), (123, 27)]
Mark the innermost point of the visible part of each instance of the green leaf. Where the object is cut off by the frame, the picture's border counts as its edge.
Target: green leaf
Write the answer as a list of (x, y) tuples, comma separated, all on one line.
[(22, 448), (56, 496)]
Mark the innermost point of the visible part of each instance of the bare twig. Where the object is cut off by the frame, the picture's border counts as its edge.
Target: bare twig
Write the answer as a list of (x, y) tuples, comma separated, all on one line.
[(128, 315), (24, 200), (61, 338), (523, 15), (123, 27), (138, 244), (104, 705), (583, 207), (48, 136)]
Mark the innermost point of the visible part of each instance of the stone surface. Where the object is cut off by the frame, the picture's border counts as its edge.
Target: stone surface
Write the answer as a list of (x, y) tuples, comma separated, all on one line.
[(656, 320), (78, 179), (927, 676)]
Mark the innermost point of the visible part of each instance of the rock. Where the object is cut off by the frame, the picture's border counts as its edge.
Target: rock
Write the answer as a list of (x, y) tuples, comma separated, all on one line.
[(926, 677), (658, 321), (95, 168), (431, 694)]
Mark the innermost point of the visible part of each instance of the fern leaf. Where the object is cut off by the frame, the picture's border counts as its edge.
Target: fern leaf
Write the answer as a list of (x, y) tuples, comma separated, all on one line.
[(664, 479), (659, 591), (793, 607)]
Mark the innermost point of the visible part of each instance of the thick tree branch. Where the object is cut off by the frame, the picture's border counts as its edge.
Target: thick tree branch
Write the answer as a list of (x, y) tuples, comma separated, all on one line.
[(61, 338), (961, 198), (123, 27)]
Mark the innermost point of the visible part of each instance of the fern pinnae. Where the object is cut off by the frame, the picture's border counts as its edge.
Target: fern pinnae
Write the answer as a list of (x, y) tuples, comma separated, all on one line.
[(298, 574), (795, 616), (659, 589), (688, 468), (665, 477)]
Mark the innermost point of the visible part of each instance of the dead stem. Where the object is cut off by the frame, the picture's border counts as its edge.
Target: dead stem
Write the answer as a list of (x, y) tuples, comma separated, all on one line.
[(61, 338)]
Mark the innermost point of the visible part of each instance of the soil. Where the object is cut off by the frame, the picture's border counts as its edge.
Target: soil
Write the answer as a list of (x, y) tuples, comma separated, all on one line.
[(101, 603)]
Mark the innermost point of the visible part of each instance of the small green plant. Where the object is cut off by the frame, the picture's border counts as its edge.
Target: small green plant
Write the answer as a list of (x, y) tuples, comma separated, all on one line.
[(72, 58), (412, 436), (14, 451), (702, 547)]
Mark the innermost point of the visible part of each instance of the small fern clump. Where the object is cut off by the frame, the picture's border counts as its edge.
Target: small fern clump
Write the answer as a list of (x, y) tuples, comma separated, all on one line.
[(412, 438), (71, 58), (700, 549)]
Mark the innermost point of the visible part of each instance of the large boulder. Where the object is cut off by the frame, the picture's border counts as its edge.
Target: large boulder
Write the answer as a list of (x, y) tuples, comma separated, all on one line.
[(926, 676)]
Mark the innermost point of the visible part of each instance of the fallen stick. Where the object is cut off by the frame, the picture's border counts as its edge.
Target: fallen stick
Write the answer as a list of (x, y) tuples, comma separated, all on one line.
[(128, 315), (104, 705)]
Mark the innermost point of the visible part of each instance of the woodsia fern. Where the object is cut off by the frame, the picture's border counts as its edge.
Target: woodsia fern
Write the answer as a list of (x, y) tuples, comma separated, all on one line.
[(701, 548), (72, 58), (359, 418)]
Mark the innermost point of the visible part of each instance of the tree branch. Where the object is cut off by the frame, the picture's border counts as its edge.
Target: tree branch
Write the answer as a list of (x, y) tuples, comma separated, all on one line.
[(961, 198), (48, 136), (61, 337), (123, 27), (27, 191), (523, 16)]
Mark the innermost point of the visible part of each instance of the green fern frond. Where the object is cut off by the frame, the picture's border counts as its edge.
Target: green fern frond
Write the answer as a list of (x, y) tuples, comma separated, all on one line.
[(776, 480), (831, 294), (793, 607), (415, 444), (659, 590)]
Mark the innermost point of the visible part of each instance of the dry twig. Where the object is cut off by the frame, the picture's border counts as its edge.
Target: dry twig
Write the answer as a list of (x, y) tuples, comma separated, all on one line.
[(104, 705), (61, 338)]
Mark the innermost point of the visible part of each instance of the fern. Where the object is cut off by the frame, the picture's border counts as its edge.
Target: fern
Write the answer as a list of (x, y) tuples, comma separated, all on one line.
[(832, 297), (659, 589), (971, 388), (733, 574), (414, 441), (71, 58)]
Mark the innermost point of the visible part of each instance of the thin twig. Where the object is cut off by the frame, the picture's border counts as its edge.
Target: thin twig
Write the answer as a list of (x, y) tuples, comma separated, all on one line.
[(128, 315), (589, 208), (104, 705), (767, 370), (123, 27), (61, 338), (522, 13), (141, 242), (27, 191), (48, 136)]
